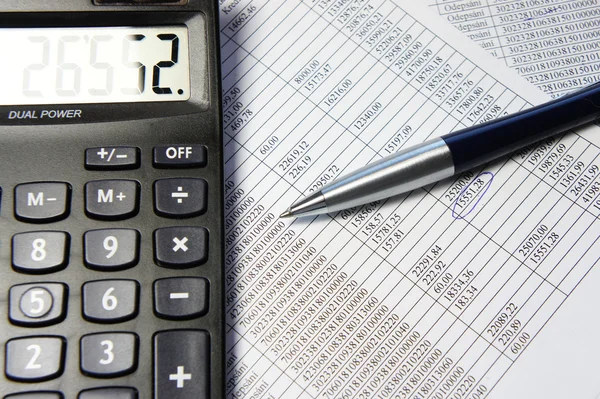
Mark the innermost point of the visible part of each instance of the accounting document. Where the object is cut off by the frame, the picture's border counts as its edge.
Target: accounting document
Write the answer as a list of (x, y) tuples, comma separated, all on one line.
[(436, 293), (554, 44)]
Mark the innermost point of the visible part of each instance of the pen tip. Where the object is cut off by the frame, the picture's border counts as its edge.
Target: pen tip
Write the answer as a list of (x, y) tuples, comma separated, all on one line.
[(286, 214)]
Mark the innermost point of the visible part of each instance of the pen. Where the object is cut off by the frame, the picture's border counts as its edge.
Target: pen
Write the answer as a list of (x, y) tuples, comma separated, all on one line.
[(451, 154)]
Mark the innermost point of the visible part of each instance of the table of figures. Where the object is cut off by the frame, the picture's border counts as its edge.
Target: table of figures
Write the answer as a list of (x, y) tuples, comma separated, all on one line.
[(554, 44), (433, 294)]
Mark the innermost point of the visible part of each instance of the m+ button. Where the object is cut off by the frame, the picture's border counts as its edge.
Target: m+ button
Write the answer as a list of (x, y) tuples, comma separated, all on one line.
[(112, 199)]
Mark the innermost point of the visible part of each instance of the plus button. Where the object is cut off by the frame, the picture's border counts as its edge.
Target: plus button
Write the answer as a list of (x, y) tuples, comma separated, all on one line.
[(180, 377)]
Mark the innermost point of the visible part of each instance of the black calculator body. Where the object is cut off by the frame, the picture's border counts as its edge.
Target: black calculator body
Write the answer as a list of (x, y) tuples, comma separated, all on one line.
[(111, 233)]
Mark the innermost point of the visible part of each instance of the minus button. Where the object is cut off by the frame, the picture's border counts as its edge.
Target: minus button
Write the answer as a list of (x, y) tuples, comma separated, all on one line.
[(181, 298)]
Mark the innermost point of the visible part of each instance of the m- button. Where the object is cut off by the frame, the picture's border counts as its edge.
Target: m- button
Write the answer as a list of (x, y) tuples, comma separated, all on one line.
[(180, 156), (42, 202)]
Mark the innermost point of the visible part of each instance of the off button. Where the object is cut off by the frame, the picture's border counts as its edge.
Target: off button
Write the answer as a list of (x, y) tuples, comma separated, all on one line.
[(180, 156)]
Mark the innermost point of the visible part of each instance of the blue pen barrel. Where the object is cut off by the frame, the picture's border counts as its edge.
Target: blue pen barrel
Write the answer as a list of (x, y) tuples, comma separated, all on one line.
[(476, 145)]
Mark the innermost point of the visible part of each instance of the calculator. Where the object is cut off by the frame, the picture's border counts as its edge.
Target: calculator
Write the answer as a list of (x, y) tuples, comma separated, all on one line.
[(111, 207)]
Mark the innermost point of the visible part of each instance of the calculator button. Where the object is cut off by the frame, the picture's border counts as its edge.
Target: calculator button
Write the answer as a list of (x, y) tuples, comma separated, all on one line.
[(111, 249), (181, 297), (180, 197), (112, 199), (35, 358), (180, 156), (110, 301), (112, 158), (109, 393), (108, 354), (35, 395), (181, 364), (42, 202), (40, 251), (37, 304), (180, 247)]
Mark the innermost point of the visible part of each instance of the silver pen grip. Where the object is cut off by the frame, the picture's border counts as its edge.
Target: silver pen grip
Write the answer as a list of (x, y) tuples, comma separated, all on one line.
[(398, 173)]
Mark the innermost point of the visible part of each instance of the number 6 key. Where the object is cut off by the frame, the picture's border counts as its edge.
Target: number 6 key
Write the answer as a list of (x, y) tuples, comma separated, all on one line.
[(110, 301)]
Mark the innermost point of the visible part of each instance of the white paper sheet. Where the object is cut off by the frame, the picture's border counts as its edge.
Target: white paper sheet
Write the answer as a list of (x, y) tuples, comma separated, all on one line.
[(432, 294), (554, 44)]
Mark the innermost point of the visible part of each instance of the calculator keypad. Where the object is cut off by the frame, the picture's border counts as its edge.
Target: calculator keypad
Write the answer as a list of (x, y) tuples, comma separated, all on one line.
[(40, 251), (181, 356), (35, 358)]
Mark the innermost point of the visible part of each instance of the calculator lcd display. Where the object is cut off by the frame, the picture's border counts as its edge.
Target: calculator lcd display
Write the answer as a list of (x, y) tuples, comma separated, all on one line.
[(94, 65)]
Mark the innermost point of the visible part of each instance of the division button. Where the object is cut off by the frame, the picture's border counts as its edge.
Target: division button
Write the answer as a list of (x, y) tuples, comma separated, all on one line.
[(40, 251), (110, 301), (180, 247), (107, 355), (109, 393), (111, 249), (180, 156), (182, 364), (112, 199), (37, 304), (180, 197), (181, 297), (112, 158), (35, 359), (42, 202)]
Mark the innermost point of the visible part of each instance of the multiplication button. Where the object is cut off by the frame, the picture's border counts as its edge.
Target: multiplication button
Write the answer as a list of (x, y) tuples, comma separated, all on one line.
[(112, 158), (180, 247), (42, 202)]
